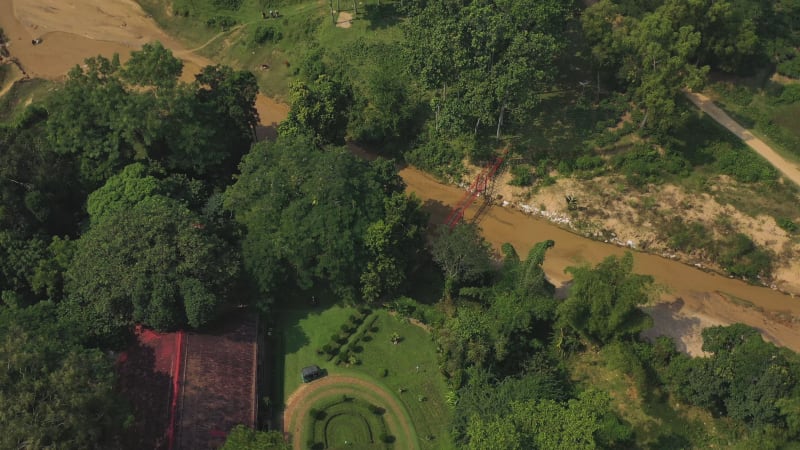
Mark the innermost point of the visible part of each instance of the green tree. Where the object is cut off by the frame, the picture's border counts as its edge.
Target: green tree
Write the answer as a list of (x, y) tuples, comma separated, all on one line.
[(392, 243), (154, 263), (585, 423), (603, 302), (91, 118), (244, 438), (54, 393), (307, 214), (654, 51), (745, 378), (153, 65), (318, 109), (122, 191), (40, 190), (489, 60), (462, 253)]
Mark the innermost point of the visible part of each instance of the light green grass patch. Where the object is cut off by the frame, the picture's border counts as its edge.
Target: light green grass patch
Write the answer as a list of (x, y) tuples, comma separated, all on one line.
[(431, 416), (304, 331), (348, 421), (657, 424), (301, 26), (20, 95)]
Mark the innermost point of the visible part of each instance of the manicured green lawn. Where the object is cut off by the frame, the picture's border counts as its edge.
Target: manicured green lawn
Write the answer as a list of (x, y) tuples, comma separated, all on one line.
[(351, 422), (411, 364), (302, 332), (412, 367)]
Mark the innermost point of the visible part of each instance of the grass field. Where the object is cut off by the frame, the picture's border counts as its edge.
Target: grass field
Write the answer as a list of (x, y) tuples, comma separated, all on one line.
[(348, 421), (410, 365), (658, 424), (302, 27), (756, 105), (21, 94)]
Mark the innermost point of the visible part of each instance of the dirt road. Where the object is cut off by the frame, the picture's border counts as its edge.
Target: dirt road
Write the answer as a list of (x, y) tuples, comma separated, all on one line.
[(300, 402), (789, 170)]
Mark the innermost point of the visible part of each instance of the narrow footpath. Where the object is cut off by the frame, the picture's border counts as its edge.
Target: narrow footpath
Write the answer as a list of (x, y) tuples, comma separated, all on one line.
[(789, 170)]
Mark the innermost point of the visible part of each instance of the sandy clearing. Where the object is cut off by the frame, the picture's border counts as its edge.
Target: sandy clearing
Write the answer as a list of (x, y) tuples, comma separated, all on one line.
[(301, 400), (73, 30), (345, 20), (788, 169)]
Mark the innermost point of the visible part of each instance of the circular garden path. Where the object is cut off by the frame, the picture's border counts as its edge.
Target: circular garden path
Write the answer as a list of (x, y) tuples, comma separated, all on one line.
[(298, 406)]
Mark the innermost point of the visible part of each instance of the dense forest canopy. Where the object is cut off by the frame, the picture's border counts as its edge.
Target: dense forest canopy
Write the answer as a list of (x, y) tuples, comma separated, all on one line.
[(131, 197)]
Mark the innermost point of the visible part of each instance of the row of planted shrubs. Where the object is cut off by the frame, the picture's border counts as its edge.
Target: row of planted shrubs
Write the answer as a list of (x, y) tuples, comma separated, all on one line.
[(335, 347), (347, 353)]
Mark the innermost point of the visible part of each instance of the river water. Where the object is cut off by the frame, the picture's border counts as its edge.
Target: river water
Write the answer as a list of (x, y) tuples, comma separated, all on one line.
[(692, 294)]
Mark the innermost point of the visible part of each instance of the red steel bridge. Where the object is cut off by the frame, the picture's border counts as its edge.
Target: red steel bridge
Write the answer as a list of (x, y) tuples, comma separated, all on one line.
[(479, 186)]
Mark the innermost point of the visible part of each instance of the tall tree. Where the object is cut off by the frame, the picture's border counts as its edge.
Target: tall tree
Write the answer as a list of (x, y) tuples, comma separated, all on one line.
[(462, 253), (491, 59), (307, 213), (603, 301), (153, 65), (54, 393), (155, 263)]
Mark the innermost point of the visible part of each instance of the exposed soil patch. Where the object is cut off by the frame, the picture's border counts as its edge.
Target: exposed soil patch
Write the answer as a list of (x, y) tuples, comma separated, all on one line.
[(345, 20)]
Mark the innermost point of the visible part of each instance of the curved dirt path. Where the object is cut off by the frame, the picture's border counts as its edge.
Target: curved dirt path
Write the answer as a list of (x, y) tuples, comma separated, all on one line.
[(789, 170), (301, 400)]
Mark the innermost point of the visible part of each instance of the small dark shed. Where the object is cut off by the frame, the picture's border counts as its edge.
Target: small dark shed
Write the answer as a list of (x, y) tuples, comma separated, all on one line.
[(311, 373)]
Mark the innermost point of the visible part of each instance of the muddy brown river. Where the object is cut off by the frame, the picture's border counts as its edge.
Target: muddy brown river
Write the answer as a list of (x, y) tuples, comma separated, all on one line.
[(693, 298)]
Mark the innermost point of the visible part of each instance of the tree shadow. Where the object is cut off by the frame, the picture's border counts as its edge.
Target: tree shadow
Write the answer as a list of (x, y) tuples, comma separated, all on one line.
[(668, 322), (671, 442), (437, 211), (148, 392), (381, 16)]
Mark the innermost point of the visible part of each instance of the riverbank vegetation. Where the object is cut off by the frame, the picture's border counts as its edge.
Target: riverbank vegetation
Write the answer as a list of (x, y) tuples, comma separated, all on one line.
[(446, 86)]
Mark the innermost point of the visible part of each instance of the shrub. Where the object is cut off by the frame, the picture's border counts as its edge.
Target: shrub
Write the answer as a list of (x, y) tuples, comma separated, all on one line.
[(313, 413), (375, 409), (644, 164), (788, 225), (439, 155), (686, 237), (230, 5), (743, 165), (741, 257), (387, 438), (588, 162), (264, 33), (790, 68), (790, 94), (383, 373), (223, 22), (521, 175)]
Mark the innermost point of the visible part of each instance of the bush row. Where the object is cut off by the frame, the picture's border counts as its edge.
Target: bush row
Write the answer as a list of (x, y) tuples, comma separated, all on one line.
[(336, 346)]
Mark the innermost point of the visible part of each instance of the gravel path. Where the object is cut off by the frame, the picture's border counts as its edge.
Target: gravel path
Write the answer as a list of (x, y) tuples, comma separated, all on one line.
[(788, 169), (300, 402)]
